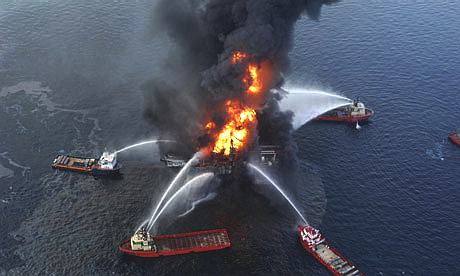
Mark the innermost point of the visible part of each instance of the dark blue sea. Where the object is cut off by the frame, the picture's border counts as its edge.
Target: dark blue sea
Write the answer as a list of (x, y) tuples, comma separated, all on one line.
[(386, 196)]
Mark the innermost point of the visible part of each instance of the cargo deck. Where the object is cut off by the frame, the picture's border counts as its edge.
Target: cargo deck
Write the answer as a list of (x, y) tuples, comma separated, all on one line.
[(176, 244), (73, 163), (316, 245)]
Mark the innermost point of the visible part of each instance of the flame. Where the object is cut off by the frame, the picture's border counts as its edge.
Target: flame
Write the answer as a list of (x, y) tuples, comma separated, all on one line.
[(255, 86), (240, 117), (235, 132), (238, 56), (210, 125)]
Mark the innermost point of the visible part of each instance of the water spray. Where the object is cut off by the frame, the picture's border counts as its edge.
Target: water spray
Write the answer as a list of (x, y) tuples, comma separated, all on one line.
[(197, 179), (172, 184), (279, 190), (308, 104), (144, 143), (358, 127)]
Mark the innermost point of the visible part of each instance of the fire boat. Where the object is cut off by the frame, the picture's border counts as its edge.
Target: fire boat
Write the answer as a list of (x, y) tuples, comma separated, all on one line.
[(312, 240), (455, 137), (106, 165), (354, 112), (142, 244)]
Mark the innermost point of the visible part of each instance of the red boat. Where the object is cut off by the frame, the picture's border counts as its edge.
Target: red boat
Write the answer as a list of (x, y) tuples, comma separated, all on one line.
[(106, 165), (312, 240), (142, 244), (455, 137), (355, 112)]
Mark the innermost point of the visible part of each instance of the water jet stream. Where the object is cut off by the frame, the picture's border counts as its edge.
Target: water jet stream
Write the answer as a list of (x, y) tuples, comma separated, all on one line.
[(144, 143), (279, 190), (196, 179), (308, 104), (172, 184)]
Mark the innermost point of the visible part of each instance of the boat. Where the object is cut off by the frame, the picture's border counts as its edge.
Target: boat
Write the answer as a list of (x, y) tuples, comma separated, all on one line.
[(142, 244), (173, 161), (106, 165), (215, 162), (315, 244), (455, 137), (354, 112)]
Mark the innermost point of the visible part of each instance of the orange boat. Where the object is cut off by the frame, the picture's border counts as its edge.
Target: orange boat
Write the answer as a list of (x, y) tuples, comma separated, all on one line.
[(354, 112), (455, 138), (142, 244), (315, 244), (106, 165)]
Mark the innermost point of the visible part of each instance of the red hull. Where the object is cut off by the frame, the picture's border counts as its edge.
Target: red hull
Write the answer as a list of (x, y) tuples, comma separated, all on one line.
[(319, 259), (71, 168), (351, 119), (455, 138), (176, 240)]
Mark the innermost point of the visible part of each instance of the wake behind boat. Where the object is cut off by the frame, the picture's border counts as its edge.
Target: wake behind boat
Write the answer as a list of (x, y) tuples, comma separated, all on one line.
[(355, 112)]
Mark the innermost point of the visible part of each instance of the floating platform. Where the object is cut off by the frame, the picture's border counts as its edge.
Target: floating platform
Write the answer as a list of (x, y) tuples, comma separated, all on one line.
[(355, 112), (142, 244), (106, 165), (455, 138), (312, 240)]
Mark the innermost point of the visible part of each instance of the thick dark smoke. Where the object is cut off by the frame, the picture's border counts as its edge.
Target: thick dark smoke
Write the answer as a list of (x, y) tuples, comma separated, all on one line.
[(198, 75)]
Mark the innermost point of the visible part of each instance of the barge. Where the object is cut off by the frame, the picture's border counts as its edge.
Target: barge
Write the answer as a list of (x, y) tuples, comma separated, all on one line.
[(142, 244), (455, 137), (354, 112), (106, 165), (312, 240)]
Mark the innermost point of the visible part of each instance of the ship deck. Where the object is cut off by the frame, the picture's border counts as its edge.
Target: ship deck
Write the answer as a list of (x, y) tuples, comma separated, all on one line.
[(72, 162), (197, 240), (168, 245), (334, 260)]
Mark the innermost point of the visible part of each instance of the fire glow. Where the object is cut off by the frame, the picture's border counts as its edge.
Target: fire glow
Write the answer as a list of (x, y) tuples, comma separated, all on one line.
[(235, 132), (240, 117)]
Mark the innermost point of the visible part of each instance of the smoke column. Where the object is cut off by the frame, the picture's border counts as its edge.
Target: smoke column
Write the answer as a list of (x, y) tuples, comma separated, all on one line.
[(198, 75)]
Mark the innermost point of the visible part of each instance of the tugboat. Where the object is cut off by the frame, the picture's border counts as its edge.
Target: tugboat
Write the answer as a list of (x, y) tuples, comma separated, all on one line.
[(355, 112), (312, 240), (106, 165), (142, 244), (455, 137)]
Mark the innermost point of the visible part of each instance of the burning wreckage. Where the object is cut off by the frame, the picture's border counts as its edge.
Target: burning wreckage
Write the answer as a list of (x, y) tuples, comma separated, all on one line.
[(266, 155), (230, 133)]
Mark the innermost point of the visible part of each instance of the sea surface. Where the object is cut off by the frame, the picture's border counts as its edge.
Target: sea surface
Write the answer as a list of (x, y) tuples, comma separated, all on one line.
[(386, 196)]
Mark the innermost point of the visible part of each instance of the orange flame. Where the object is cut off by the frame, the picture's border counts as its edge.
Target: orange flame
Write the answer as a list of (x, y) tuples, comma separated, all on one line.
[(255, 86), (235, 132), (238, 56)]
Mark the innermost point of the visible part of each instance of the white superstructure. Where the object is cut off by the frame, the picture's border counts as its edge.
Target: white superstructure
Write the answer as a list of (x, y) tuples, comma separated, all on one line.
[(108, 160)]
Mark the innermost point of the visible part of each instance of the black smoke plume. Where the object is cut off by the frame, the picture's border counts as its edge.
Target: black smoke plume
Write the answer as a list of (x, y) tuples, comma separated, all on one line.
[(197, 74)]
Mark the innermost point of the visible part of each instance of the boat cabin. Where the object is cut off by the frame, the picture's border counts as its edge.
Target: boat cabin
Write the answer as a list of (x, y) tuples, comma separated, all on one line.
[(358, 108), (108, 160), (143, 241)]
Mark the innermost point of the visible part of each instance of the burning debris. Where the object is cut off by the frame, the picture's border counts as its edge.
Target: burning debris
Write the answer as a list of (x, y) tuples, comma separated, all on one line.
[(217, 94)]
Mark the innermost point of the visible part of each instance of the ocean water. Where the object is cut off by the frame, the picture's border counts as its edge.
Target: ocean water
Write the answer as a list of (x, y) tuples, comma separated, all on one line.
[(385, 196)]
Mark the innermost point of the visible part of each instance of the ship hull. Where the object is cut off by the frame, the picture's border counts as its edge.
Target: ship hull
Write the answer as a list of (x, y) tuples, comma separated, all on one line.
[(346, 118), (455, 138), (83, 165), (204, 241), (97, 172), (322, 261)]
